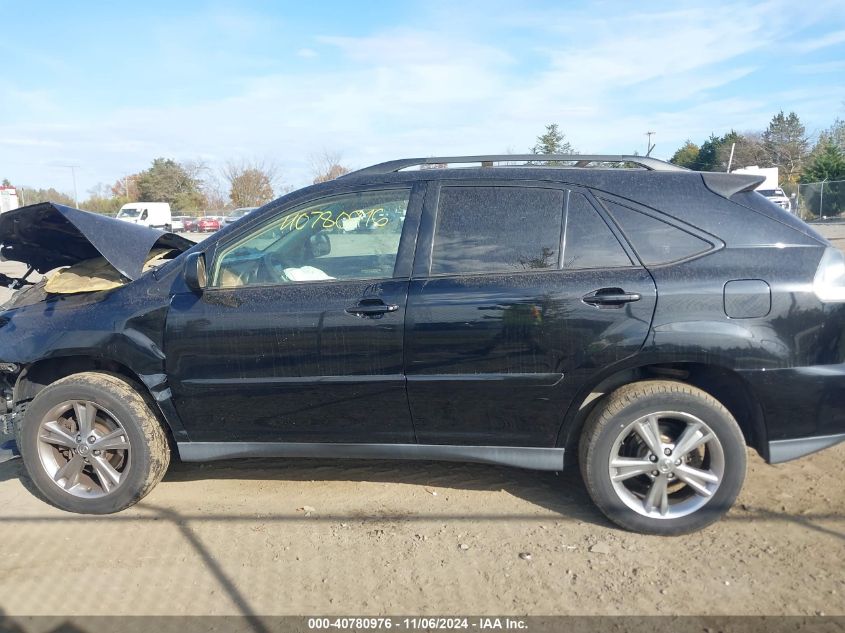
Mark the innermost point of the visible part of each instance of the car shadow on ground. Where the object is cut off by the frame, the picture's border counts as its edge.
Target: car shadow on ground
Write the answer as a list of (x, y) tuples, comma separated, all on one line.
[(560, 493)]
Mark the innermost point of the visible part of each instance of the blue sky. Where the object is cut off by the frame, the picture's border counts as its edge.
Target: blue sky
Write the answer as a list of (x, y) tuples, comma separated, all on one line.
[(110, 86)]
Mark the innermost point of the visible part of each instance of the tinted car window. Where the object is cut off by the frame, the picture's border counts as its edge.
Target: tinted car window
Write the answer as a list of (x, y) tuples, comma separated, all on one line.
[(655, 241), (350, 236), (589, 242), (497, 229)]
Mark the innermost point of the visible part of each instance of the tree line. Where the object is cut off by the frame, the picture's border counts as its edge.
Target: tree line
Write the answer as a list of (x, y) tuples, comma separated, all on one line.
[(193, 188), (190, 187), (784, 144)]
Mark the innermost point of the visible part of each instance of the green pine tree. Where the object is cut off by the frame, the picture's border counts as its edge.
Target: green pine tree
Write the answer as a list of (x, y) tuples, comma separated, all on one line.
[(786, 145), (552, 142)]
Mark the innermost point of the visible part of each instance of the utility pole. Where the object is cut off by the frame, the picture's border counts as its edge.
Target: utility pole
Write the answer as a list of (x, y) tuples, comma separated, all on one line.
[(73, 176), (648, 144), (731, 159), (821, 200)]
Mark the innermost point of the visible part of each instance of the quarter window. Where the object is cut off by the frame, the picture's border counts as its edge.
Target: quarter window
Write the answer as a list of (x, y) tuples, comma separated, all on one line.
[(497, 230), (656, 242), (589, 242), (351, 236)]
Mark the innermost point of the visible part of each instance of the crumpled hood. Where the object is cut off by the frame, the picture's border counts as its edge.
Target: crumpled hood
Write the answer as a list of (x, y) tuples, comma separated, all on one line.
[(48, 235)]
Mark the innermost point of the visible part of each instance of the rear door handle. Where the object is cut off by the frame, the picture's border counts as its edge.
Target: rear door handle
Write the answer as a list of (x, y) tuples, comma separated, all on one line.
[(372, 308), (610, 298)]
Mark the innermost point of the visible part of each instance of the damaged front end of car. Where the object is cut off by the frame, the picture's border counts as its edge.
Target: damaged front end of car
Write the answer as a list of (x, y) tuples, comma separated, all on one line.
[(8, 446), (48, 236), (83, 259)]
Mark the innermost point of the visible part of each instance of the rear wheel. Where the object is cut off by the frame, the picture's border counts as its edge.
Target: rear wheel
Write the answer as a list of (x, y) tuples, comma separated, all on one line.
[(91, 444), (662, 457)]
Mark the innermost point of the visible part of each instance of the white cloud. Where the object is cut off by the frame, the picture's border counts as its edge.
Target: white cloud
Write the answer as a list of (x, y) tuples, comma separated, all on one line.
[(402, 91)]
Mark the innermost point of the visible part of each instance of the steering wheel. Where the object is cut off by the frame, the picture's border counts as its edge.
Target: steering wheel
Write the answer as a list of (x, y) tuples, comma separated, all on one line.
[(275, 266)]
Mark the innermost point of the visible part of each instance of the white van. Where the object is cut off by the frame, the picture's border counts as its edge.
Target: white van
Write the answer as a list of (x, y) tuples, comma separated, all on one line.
[(153, 214)]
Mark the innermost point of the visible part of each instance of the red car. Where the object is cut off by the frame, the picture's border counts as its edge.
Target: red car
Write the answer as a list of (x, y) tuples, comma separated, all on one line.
[(208, 225), (189, 225)]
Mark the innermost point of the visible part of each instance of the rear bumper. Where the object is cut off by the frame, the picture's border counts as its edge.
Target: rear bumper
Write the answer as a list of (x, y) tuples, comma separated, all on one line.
[(803, 408)]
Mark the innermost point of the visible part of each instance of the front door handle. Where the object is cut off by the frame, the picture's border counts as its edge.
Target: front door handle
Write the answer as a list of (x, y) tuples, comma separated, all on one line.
[(372, 308), (610, 298)]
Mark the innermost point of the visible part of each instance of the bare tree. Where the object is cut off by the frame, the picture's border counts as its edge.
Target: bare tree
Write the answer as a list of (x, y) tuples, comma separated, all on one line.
[(327, 166), (748, 150), (209, 186), (214, 192), (251, 183)]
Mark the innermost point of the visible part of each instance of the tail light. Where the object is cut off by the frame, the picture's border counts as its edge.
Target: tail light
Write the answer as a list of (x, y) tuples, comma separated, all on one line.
[(829, 282)]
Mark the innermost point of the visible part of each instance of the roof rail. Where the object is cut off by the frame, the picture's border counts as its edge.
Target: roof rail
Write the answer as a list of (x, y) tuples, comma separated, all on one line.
[(579, 160)]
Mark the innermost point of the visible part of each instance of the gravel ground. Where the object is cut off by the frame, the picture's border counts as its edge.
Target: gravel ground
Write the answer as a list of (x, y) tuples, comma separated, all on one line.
[(317, 537), (371, 537)]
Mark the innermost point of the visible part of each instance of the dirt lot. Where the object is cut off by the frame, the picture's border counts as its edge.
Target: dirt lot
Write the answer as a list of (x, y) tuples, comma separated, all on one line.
[(317, 537), (300, 536)]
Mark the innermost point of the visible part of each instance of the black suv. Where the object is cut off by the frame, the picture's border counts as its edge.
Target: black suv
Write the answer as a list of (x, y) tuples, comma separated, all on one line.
[(645, 321)]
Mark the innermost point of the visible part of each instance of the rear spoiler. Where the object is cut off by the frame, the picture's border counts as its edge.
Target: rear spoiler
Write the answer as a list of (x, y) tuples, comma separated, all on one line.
[(726, 185)]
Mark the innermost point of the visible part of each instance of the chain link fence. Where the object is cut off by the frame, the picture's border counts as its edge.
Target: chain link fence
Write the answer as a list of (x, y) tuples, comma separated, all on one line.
[(821, 200)]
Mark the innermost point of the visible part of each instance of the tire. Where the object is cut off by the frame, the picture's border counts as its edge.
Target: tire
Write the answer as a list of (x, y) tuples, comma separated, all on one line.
[(127, 454), (701, 484)]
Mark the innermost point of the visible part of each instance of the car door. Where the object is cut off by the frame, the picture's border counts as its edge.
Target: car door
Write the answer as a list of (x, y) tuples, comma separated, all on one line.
[(519, 291), (299, 335)]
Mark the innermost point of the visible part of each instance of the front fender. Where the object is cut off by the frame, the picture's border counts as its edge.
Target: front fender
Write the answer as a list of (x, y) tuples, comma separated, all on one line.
[(119, 330)]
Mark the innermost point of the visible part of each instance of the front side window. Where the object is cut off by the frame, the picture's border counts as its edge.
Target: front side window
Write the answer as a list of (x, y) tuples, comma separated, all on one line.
[(349, 236), (497, 230)]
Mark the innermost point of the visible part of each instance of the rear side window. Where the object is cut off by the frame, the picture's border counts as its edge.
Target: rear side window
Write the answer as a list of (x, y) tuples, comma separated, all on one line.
[(589, 242), (497, 230), (655, 241)]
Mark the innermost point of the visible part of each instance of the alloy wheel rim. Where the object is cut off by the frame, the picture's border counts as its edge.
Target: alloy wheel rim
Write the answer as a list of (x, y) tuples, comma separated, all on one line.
[(83, 448), (666, 464)]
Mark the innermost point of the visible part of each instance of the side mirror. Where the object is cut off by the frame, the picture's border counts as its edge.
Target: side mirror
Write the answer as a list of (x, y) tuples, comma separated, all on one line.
[(319, 245), (196, 277)]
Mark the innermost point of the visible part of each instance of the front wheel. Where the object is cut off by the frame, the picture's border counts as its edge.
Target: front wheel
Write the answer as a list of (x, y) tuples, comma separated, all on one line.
[(662, 457), (91, 444)]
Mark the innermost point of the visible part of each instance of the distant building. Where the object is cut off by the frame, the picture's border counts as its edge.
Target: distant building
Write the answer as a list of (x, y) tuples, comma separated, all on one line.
[(8, 199), (770, 187)]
